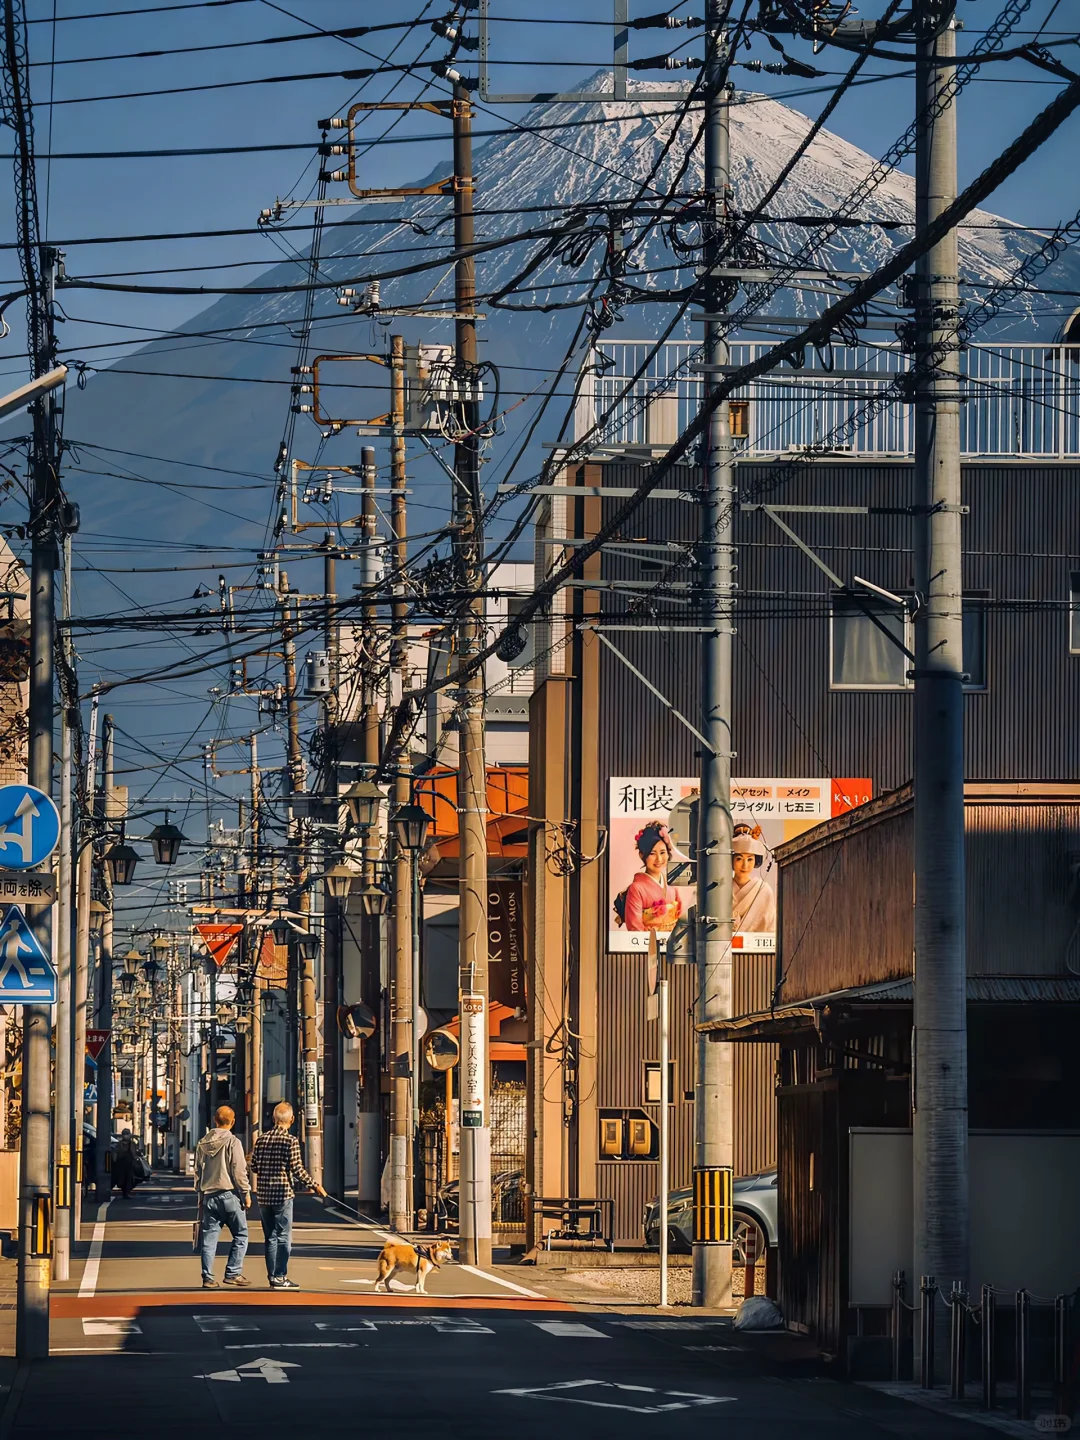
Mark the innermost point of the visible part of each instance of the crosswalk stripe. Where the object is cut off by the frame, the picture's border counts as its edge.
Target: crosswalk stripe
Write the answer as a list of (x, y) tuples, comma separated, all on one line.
[(573, 1328)]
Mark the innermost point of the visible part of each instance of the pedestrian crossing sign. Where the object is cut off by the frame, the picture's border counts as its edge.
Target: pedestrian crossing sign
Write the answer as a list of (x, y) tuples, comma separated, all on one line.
[(26, 973)]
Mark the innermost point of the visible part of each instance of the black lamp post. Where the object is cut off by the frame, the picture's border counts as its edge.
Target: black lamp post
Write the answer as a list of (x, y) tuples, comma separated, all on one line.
[(120, 862), (410, 824), (151, 970), (363, 800), (166, 840)]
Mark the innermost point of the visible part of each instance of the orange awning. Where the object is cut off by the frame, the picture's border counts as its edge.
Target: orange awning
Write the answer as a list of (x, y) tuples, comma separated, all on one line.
[(507, 804)]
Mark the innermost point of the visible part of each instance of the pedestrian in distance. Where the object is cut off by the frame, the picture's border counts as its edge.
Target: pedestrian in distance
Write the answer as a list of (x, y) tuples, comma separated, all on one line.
[(124, 1164), (278, 1169), (221, 1179)]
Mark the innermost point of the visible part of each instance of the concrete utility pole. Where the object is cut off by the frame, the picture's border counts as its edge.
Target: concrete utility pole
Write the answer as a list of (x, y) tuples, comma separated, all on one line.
[(475, 1180), (80, 1002), (103, 1152), (308, 1107), (939, 1037), (333, 1113), (35, 1178), (403, 1042), (65, 994), (713, 1089)]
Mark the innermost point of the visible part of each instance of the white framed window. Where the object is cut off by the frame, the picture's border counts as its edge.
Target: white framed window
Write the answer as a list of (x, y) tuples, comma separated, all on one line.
[(974, 619), (864, 652), (1074, 612)]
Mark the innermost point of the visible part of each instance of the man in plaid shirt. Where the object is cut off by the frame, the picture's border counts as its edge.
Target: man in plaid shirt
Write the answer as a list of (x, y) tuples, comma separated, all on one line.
[(278, 1167)]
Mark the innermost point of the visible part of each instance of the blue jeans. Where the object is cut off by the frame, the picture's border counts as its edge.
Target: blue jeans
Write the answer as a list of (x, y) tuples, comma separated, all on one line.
[(277, 1232), (223, 1207)]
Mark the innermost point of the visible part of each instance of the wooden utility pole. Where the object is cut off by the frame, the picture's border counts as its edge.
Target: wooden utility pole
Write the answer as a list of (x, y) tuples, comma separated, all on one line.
[(475, 1181)]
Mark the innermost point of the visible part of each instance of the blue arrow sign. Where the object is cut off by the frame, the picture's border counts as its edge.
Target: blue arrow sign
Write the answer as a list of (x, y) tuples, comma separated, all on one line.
[(26, 973), (29, 827)]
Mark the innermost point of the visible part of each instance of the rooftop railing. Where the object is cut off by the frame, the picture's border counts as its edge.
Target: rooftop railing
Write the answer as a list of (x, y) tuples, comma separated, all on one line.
[(1017, 401)]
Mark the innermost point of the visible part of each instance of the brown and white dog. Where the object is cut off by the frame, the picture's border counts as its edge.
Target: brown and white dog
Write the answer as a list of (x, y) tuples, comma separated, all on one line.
[(400, 1255)]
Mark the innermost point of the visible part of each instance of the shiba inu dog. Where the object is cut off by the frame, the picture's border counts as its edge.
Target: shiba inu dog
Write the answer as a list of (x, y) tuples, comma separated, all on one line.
[(400, 1255)]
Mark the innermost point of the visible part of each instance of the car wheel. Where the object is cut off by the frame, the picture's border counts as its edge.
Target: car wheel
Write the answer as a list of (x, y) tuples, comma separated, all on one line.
[(747, 1231)]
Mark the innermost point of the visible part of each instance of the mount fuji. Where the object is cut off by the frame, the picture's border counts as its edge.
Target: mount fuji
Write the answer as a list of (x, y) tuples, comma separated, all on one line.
[(602, 151)]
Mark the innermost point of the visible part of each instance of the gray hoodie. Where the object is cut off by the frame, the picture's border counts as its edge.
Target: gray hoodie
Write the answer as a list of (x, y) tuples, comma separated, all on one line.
[(220, 1164)]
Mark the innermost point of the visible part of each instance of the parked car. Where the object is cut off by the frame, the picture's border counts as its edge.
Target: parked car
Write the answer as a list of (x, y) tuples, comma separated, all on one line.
[(507, 1199), (754, 1199)]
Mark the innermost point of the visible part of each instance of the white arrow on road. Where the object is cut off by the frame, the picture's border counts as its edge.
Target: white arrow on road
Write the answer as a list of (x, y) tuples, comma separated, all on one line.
[(617, 1396), (272, 1371)]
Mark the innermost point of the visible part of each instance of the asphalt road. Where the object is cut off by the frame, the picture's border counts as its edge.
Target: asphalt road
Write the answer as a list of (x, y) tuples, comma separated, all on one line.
[(138, 1348)]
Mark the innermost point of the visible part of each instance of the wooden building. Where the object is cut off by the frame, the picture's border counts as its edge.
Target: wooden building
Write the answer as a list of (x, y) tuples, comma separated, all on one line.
[(841, 1015), (811, 698)]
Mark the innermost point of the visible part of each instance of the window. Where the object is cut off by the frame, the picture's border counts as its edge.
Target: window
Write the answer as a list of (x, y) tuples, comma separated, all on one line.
[(974, 621), (866, 652), (1074, 612), (652, 1083)]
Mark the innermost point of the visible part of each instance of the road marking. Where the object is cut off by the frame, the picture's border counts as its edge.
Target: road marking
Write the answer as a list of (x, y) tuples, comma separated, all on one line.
[(672, 1324), (444, 1324), (88, 1286), (215, 1324), (265, 1368), (498, 1279), (679, 1399), (111, 1325), (570, 1327), (297, 1345)]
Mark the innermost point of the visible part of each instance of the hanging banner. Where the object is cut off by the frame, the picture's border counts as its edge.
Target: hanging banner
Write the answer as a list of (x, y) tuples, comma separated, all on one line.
[(220, 940), (506, 942), (652, 849), (96, 1040), (473, 1060)]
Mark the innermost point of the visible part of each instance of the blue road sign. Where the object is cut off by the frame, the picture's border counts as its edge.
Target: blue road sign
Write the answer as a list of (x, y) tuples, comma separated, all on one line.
[(26, 973), (89, 1094), (29, 827)]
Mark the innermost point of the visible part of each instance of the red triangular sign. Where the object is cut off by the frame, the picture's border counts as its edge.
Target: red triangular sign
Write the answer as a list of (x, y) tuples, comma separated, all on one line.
[(95, 1042), (220, 940)]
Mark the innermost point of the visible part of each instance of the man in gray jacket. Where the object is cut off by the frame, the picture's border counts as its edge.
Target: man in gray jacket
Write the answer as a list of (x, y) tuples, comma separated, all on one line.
[(221, 1178)]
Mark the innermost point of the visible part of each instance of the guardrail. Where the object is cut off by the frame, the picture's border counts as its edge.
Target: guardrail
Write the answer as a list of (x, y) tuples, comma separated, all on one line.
[(1017, 401), (1041, 1366)]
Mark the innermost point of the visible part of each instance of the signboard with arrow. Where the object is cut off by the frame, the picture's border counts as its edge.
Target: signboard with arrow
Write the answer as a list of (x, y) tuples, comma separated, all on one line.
[(29, 827)]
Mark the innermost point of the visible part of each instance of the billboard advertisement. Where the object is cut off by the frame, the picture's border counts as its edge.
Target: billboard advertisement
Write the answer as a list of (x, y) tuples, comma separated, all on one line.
[(652, 830)]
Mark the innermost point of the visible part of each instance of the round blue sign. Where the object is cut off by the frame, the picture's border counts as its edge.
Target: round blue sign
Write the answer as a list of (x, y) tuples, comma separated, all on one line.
[(29, 827)]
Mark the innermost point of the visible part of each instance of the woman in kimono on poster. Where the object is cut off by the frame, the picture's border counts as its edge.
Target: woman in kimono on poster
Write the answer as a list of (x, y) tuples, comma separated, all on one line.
[(647, 903), (754, 909)]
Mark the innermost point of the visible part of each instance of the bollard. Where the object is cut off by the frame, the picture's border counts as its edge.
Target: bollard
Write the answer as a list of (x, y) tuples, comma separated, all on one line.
[(1061, 1353), (988, 1318), (957, 1341), (1023, 1336), (928, 1291), (897, 1324)]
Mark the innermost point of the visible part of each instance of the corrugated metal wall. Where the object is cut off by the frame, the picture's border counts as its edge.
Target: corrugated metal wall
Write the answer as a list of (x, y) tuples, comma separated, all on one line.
[(755, 1070)]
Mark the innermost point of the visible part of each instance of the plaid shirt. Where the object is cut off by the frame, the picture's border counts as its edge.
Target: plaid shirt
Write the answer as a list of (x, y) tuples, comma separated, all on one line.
[(278, 1166)]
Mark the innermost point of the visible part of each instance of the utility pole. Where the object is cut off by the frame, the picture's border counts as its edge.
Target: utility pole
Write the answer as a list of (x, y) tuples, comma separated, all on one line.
[(333, 1106), (103, 1150), (713, 1088), (35, 1178), (254, 944), (403, 1046), (939, 1035), (65, 994), (80, 1001), (309, 1014), (475, 1180)]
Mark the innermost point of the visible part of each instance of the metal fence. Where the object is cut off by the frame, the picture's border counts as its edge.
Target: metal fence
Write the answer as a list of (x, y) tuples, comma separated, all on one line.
[(1017, 400), (1012, 1348)]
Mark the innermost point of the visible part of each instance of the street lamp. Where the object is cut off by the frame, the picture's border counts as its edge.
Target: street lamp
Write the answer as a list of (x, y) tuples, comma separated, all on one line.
[(98, 911), (376, 900), (340, 880), (151, 970), (166, 840), (411, 824), (120, 862), (363, 800), (307, 944), (245, 994)]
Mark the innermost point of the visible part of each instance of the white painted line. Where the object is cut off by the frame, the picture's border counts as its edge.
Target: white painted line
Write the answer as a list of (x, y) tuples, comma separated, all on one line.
[(215, 1324), (111, 1325), (573, 1328), (498, 1279), (297, 1345), (266, 1368), (88, 1286)]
